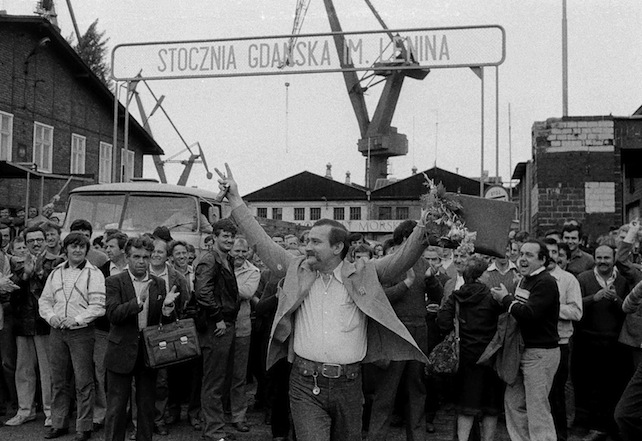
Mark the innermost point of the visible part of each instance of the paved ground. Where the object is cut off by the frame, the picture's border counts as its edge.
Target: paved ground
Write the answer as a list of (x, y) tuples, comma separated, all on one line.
[(259, 431)]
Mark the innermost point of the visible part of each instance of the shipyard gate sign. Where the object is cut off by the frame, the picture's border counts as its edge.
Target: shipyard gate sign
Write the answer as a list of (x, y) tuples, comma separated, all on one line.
[(433, 48)]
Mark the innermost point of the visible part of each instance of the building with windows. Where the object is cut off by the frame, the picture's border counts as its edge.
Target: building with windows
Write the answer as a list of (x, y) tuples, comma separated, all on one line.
[(306, 197), (57, 119)]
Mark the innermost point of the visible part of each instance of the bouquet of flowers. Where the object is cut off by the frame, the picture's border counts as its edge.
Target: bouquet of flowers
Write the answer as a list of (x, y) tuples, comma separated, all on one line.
[(442, 216)]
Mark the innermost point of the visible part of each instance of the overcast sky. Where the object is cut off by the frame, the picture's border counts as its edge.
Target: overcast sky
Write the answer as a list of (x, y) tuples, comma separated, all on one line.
[(243, 121)]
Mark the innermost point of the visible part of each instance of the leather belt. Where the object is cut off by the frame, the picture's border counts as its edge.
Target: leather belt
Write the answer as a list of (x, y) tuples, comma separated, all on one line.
[(328, 370)]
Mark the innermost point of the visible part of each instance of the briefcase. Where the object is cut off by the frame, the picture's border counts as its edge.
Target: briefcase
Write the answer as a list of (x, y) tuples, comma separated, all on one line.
[(170, 344)]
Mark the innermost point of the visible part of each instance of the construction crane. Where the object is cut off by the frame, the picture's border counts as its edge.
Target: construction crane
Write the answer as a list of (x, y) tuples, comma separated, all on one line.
[(159, 163), (188, 163), (379, 140)]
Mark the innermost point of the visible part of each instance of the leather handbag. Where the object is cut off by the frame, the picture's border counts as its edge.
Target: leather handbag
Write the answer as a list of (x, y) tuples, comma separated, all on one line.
[(444, 358), (170, 344)]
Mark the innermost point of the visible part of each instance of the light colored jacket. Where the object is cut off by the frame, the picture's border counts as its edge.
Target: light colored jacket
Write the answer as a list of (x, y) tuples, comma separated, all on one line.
[(570, 302), (247, 278), (388, 338), (85, 303)]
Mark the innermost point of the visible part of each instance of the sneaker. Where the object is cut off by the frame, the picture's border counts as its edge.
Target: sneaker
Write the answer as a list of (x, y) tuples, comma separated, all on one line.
[(19, 419)]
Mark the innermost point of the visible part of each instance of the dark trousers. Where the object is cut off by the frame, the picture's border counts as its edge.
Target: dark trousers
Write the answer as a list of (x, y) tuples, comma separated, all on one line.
[(118, 392), (8, 357), (185, 386), (628, 412), (409, 375), (600, 372), (72, 352), (278, 387), (557, 397), (216, 352)]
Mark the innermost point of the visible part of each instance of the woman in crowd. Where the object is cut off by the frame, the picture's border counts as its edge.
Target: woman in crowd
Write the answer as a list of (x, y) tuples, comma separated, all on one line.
[(478, 390)]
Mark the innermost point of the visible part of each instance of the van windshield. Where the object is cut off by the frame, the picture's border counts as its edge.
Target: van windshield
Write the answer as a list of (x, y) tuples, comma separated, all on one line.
[(138, 212)]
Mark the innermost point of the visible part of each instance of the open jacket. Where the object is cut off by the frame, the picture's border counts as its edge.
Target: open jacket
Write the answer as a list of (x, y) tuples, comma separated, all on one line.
[(85, 303), (122, 311), (388, 338)]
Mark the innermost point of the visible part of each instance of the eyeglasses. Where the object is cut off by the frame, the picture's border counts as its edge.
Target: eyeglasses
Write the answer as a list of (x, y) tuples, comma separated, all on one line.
[(30, 241)]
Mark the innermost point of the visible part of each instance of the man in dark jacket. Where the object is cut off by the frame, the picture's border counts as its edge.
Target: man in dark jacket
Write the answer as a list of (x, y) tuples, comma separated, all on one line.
[(535, 306), (135, 299), (410, 306), (600, 367), (218, 300), (32, 332), (115, 245)]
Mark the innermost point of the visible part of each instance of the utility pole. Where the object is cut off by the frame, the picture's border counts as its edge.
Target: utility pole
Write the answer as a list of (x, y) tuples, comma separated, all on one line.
[(564, 61)]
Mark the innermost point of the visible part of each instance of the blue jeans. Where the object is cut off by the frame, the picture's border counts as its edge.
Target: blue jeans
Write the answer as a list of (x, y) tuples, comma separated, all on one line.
[(528, 411), (72, 350), (335, 414)]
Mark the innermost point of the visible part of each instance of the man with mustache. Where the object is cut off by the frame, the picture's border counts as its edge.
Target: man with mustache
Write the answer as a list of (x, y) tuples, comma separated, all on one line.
[(31, 330), (332, 316), (598, 360)]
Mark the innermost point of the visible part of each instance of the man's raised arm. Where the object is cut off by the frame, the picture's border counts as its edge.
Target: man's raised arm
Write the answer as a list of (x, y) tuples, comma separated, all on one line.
[(390, 267), (274, 257)]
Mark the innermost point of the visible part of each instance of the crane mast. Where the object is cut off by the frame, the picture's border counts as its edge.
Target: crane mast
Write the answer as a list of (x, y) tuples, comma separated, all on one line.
[(379, 139)]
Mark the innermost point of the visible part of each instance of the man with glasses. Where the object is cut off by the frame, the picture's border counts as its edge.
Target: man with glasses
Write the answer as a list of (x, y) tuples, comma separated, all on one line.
[(31, 330)]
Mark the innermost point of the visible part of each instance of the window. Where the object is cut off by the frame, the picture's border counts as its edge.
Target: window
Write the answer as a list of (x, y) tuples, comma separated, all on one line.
[(6, 136), (261, 212), (78, 144), (299, 214), (339, 213), (104, 163), (402, 213), (127, 165), (385, 213), (42, 146), (355, 213), (315, 213), (277, 213)]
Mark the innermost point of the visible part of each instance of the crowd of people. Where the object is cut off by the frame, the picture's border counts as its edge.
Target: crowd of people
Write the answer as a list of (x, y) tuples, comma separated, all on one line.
[(333, 330)]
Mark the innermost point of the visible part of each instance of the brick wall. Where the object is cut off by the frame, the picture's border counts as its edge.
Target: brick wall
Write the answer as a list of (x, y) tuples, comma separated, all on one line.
[(577, 174), (52, 90)]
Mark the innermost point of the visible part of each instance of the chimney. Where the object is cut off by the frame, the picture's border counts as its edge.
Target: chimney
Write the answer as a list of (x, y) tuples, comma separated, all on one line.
[(414, 169), (348, 178), (328, 171)]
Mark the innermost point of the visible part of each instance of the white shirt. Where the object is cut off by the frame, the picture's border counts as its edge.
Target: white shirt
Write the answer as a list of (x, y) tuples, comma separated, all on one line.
[(164, 274), (113, 269), (141, 286), (328, 326)]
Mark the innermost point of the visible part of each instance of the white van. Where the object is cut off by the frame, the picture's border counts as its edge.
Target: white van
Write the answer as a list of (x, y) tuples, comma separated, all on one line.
[(139, 207)]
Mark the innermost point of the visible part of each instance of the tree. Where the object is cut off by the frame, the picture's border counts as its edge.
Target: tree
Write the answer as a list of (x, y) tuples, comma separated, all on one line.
[(92, 48)]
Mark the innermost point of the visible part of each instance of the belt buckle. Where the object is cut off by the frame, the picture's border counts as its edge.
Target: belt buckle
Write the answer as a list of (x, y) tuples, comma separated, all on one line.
[(331, 370)]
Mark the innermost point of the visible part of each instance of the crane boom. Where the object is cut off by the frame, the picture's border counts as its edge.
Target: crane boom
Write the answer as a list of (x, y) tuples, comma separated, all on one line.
[(355, 91)]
